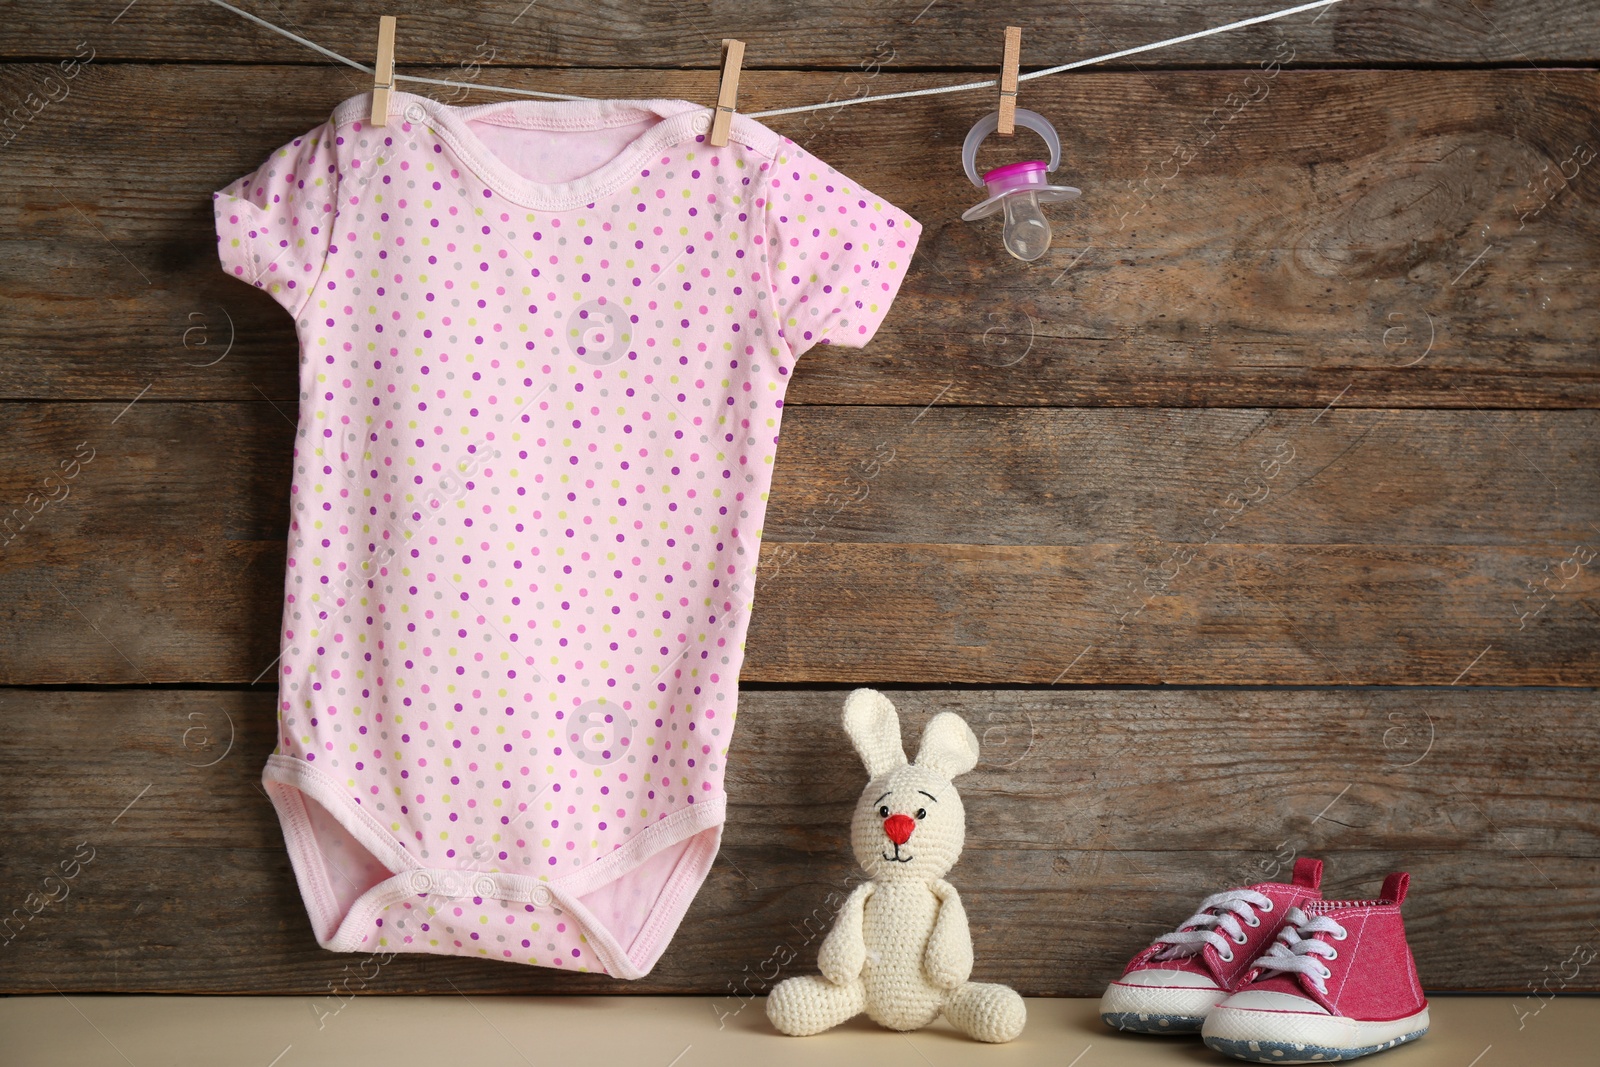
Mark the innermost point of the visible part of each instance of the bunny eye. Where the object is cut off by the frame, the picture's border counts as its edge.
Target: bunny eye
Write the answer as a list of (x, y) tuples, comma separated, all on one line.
[(922, 813), (884, 811)]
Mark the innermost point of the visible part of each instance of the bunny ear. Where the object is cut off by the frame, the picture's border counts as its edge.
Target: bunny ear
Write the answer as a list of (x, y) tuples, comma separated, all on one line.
[(949, 747), (874, 727)]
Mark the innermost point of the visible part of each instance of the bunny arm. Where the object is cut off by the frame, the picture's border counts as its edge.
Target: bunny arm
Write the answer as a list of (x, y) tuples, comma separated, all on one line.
[(947, 959), (844, 950)]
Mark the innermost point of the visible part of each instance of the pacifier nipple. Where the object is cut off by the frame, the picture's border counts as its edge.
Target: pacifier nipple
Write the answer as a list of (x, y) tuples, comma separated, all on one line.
[(1027, 232)]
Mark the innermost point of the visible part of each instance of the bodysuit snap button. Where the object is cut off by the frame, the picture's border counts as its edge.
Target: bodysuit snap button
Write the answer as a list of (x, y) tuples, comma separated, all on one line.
[(702, 123), (421, 881), (484, 887)]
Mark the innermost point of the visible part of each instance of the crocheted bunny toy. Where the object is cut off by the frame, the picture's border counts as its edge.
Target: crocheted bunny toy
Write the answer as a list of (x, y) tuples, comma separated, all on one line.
[(900, 949)]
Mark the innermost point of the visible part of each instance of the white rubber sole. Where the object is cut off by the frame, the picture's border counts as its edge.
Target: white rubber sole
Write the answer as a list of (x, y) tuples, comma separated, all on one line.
[(1157, 1009), (1304, 1037)]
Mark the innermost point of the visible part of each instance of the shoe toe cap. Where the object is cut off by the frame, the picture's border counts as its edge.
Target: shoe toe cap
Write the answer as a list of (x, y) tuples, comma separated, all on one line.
[(1269, 1000), (1166, 977)]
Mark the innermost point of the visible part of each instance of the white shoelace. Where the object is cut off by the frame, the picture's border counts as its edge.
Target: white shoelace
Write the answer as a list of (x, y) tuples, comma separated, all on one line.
[(1295, 950), (1219, 915)]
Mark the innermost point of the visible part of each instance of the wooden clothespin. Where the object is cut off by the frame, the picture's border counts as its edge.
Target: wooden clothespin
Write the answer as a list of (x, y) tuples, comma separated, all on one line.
[(383, 72), (728, 92), (1008, 82)]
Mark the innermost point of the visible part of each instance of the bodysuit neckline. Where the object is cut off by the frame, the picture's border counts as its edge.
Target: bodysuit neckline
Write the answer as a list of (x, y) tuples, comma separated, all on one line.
[(678, 120)]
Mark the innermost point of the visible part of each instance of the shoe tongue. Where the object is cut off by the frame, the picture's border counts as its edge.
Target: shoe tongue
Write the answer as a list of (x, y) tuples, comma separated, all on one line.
[(1308, 873)]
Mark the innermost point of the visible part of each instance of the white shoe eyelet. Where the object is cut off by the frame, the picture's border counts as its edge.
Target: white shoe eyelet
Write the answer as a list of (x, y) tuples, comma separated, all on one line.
[(1342, 934), (1326, 974), (1254, 920), (1242, 938), (1333, 954), (1268, 906), (1226, 959)]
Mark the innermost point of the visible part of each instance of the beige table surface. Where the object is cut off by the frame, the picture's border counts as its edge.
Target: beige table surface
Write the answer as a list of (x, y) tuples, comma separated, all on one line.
[(678, 1032)]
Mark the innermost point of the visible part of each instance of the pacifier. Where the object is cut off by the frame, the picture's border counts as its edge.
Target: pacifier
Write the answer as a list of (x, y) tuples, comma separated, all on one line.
[(1017, 188)]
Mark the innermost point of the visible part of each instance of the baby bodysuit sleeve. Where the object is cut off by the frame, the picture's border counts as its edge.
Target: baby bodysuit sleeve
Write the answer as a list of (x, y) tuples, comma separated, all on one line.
[(836, 254), (274, 226)]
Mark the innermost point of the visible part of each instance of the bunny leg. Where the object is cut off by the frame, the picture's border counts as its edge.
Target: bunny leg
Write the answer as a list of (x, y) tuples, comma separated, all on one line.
[(811, 1004), (986, 1012)]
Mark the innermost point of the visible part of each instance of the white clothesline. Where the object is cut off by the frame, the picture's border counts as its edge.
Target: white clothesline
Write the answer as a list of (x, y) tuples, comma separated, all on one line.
[(964, 87)]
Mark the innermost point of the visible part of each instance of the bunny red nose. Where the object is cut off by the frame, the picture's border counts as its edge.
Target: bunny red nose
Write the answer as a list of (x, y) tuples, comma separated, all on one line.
[(899, 828)]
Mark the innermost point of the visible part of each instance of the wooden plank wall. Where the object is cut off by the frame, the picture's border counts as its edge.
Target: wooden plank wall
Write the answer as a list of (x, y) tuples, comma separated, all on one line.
[(1258, 519)]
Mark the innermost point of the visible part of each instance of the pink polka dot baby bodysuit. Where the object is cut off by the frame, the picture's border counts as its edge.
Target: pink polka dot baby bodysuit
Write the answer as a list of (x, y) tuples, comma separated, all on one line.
[(543, 354)]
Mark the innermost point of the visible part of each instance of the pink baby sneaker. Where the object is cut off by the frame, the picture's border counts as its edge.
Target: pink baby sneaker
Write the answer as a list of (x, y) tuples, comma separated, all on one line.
[(1338, 983), (1171, 986)]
